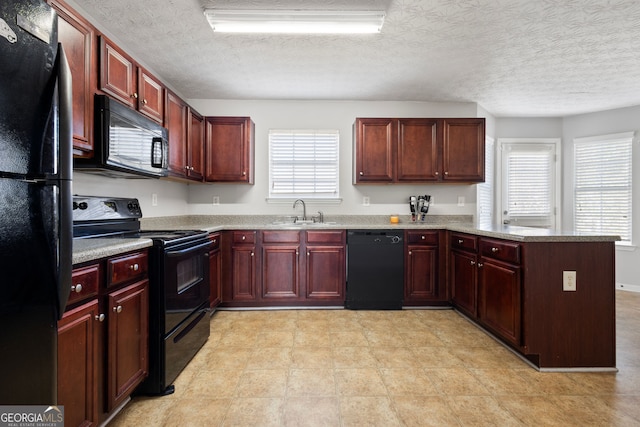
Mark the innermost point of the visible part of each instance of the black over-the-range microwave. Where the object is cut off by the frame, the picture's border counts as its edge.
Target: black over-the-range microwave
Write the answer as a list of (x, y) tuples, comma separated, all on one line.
[(127, 144)]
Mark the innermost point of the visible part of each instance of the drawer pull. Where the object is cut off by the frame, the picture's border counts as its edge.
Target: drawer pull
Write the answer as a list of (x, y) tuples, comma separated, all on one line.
[(409, 252), (494, 250), (76, 288), (100, 317), (134, 267), (244, 237), (472, 262), (480, 265), (117, 309), (423, 237), (460, 241)]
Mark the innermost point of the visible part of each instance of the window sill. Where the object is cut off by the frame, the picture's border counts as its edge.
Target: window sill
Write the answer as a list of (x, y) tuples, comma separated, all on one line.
[(308, 200), (626, 247)]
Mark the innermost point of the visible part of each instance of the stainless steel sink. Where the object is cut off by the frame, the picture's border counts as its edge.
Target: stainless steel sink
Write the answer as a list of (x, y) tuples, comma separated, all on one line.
[(303, 224)]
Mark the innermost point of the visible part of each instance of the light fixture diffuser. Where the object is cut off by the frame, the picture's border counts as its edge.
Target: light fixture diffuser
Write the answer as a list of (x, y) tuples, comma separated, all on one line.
[(295, 21)]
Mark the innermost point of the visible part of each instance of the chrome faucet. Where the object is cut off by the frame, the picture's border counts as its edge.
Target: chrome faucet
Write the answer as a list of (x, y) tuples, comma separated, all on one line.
[(304, 208)]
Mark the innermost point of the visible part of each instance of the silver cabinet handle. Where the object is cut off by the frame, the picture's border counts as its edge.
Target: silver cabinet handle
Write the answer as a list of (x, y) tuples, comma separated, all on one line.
[(437, 173), (251, 253), (361, 173), (494, 250), (134, 267), (100, 317), (244, 237), (423, 237), (117, 309), (76, 288), (473, 262), (460, 241), (409, 252), (446, 173), (480, 264)]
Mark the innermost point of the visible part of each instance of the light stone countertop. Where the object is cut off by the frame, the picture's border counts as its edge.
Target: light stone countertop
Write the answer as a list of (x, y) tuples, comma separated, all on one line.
[(85, 250)]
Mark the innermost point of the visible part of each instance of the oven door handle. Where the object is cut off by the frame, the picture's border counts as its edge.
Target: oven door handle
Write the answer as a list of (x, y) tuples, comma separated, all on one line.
[(182, 252)]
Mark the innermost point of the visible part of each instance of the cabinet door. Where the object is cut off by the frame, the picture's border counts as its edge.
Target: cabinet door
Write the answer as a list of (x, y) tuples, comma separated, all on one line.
[(77, 38), (229, 149), (117, 74), (499, 304), (375, 150), (418, 158), (128, 341), (150, 96), (463, 149), (281, 272), (463, 279), (176, 124), (243, 273), (195, 148), (421, 276), (78, 335), (326, 276)]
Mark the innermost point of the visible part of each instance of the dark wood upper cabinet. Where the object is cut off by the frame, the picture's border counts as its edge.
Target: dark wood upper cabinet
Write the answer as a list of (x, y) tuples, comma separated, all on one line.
[(123, 79), (416, 150), (150, 96), (195, 146), (77, 36), (229, 149), (417, 146), (117, 73), (375, 150), (176, 124), (463, 150)]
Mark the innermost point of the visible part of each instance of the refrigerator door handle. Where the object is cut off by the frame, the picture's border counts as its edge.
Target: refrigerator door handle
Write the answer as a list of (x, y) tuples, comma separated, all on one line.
[(65, 126)]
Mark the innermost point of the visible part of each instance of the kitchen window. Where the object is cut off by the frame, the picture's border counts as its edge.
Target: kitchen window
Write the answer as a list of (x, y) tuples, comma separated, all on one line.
[(602, 185), (528, 178), (303, 164)]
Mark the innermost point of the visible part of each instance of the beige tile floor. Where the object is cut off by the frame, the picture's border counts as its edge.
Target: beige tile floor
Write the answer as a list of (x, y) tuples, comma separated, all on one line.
[(385, 368)]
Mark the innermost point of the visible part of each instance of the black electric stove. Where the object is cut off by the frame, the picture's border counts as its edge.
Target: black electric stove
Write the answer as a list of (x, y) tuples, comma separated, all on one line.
[(178, 283)]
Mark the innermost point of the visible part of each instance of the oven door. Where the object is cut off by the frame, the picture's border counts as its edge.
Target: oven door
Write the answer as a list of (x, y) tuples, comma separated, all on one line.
[(186, 281)]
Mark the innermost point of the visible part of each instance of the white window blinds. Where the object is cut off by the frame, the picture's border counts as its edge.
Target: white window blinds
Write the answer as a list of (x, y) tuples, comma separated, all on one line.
[(485, 189), (529, 184), (303, 163), (602, 192)]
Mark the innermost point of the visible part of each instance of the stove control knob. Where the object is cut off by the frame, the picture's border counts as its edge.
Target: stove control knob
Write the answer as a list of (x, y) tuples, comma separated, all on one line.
[(83, 205), (75, 205)]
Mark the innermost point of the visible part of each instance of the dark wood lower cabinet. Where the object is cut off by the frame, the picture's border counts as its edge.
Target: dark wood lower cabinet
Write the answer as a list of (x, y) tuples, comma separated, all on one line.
[(78, 336), (463, 280), (128, 341), (499, 299), (103, 338), (283, 268), (326, 273)]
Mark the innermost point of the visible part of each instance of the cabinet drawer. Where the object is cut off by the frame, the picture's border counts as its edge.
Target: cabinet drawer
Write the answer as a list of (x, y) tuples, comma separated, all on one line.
[(333, 236), (84, 283), (127, 268), (464, 241), (501, 250), (280, 237), (422, 237), (215, 240), (244, 237)]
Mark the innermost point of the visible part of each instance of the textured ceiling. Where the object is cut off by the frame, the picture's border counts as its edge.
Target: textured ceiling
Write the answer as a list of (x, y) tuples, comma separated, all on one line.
[(512, 57)]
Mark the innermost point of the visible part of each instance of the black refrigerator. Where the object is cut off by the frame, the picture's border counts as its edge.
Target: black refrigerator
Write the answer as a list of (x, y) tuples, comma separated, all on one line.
[(35, 200)]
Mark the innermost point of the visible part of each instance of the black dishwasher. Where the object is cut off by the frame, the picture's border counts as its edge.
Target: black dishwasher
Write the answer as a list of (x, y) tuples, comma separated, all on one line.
[(375, 269)]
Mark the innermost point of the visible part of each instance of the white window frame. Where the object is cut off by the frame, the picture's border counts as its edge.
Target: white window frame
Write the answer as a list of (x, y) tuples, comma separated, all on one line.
[(557, 197), (604, 139), (316, 196)]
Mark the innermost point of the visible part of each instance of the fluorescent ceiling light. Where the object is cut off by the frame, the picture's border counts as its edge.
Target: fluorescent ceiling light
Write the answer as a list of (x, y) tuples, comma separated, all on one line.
[(295, 21)]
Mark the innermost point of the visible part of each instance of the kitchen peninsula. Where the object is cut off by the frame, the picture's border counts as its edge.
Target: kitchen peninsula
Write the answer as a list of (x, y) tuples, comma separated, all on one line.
[(548, 296)]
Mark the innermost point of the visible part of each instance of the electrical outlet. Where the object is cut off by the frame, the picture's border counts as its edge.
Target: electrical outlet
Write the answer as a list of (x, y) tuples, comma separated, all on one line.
[(154, 199), (216, 200), (461, 200), (366, 201), (569, 281)]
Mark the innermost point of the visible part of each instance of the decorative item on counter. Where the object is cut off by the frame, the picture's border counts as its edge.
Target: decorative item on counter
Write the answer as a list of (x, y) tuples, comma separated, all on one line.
[(419, 206), (394, 219)]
